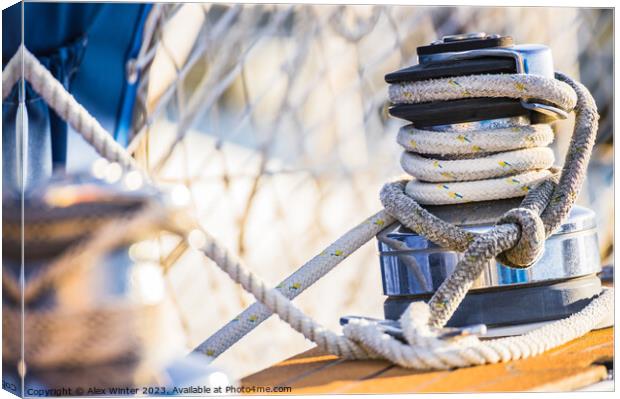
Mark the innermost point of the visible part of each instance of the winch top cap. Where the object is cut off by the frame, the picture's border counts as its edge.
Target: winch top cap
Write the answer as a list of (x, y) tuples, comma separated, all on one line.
[(465, 42), (474, 54), (431, 68)]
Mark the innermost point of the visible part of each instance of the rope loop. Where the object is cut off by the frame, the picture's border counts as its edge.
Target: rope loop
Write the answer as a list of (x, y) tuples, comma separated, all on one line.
[(531, 242), (415, 324)]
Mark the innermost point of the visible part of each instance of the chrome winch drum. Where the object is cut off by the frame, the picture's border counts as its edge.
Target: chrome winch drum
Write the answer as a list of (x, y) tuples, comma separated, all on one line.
[(559, 284), (564, 280)]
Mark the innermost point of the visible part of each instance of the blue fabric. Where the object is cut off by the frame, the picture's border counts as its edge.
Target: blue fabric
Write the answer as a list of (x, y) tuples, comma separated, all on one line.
[(101, 85), (63, 63), (48, 26), (125, 114), (86, 47)]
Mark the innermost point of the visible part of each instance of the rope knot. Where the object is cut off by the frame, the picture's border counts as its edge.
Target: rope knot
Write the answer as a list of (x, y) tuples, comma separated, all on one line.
[(531, 242)]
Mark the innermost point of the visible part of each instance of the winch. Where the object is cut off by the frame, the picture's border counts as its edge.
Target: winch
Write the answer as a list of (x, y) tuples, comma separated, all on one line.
[(484, 234), (442, 137)]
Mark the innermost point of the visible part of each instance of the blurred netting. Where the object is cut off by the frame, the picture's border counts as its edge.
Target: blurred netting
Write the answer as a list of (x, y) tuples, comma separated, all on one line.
[(274, 119)]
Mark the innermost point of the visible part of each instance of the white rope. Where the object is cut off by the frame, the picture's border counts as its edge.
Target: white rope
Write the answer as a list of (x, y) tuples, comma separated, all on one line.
[(519, 86), (467, 165), (278, 303), (479, 190), (424, 351), (458, 142), (297, 282), (65, 105), (495, 165), (363, 339)]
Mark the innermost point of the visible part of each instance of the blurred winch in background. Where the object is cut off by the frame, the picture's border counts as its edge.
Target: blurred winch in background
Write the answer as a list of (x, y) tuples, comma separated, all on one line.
[(95, 312)]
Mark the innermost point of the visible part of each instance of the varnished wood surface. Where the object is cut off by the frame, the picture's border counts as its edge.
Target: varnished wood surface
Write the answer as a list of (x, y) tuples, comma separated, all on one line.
[(574, 365)]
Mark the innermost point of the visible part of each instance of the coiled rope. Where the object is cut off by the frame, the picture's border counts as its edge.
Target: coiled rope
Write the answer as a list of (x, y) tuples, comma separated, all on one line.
[(492, 163), (517, 239)]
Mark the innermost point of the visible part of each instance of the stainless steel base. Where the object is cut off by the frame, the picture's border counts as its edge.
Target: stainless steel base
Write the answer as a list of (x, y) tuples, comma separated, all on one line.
[(511, 305), (412, 265)]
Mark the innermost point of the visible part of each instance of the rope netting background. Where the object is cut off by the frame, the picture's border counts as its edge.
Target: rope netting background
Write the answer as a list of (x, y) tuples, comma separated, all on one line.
[(274, 120)]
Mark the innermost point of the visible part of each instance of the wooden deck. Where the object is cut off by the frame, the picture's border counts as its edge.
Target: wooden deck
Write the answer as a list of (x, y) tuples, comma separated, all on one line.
[(574, 365)]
